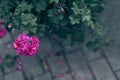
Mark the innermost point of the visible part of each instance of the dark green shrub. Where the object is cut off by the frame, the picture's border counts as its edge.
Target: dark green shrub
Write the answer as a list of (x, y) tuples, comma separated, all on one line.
[(65, 18)]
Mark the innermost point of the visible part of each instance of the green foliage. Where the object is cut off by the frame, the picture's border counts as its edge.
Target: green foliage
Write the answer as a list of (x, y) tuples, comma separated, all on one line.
[(51, 1), (78, 34), (83, 12), (40, 5), (98, 44), (65, 18)]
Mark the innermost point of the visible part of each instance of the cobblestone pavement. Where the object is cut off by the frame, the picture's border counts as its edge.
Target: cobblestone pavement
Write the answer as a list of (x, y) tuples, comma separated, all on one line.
[(77, 63)]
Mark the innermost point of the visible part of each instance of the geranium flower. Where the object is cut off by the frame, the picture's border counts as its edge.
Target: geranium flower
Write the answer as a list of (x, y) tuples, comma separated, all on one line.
[(25, 45), (2, 32)]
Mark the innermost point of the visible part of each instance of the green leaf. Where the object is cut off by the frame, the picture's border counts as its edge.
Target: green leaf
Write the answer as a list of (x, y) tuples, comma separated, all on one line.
[(54, 18), (24, 6), (51, 1), (40, 5), (51, 13), (64, 22), (77, 33), (27, 19), (74, 20), (33, 30)]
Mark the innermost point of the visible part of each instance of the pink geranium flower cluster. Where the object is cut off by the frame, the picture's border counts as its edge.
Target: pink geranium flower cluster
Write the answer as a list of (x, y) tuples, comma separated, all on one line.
[(2, 30), (25, 45)]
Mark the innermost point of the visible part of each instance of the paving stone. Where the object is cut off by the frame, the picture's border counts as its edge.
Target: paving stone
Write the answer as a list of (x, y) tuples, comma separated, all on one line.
[(79, 66), (46, 76), (8, 51), (5, 49), (58, 65), (102, 70), (73, 48), (10, 69), (31, 66), (1, 78), (1, 75), (44, 48), (112, 23), (113, 55), (56, 46), (92, 55), (65, 77), (7, 38), (118, 74), (15, 33), (14, 76)]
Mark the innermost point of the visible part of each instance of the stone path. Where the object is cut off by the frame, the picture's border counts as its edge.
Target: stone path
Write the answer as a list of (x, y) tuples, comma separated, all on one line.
[(77, 63)]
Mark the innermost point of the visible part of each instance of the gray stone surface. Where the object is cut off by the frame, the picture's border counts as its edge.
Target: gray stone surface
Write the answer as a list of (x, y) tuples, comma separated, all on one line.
[(4, 50), (31, 66), (56, 47), (5, 39), (79, 65), (111, 20), (45, 76), (1, 78), (1, 75), (118, 74), (113, 55), (15, 33), (58, 64), (44, 48), (102, 70), (73, 48), (14, 76), (9, 69), (65, 77), (92, 55)]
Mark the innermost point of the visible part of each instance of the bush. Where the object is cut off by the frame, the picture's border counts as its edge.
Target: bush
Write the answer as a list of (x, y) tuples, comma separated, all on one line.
[(65, 18)]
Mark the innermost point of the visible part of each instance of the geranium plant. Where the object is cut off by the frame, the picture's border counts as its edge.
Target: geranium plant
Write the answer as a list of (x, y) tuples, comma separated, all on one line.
[(64, 18), (26, 45)]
